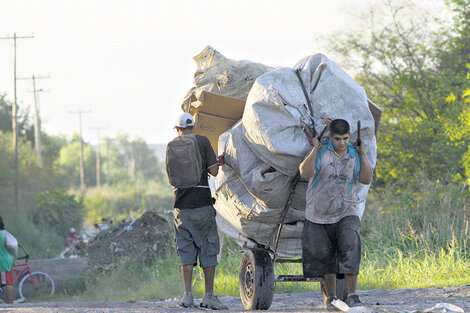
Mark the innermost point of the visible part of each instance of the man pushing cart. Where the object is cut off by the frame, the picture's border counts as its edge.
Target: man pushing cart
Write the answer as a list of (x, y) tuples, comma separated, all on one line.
[(264, 200)]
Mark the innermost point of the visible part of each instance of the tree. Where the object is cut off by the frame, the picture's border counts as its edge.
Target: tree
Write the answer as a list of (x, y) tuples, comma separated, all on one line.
[(50, 148), (57, 211), (404, 67), (23, 121), (458, 54), (132, 159), (68, 163)]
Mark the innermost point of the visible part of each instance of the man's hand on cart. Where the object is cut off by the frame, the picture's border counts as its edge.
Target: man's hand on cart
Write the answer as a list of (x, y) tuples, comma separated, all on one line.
[(220, 159), (361, 149), (316, 143)]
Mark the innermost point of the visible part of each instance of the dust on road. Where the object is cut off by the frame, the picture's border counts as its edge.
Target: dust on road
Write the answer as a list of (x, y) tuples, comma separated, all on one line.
[(398, 300)]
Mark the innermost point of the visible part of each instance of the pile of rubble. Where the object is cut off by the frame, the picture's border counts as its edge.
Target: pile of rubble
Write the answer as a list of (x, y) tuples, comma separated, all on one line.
[(138, 241)]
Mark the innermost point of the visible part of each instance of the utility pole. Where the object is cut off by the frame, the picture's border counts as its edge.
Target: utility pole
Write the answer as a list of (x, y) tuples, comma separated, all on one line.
[(98, 162), (108, 178), (14, 114), (82, 165), (37, 117)]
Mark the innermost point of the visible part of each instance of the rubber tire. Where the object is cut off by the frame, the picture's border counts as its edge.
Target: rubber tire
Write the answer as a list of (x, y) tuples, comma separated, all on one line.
[(24, 283), (256, 279)]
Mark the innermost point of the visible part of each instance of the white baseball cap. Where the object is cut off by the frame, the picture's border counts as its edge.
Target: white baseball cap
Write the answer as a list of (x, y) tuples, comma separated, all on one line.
[(184, 120)]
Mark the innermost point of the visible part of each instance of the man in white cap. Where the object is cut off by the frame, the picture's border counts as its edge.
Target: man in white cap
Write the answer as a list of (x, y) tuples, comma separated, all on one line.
[(194, 218)]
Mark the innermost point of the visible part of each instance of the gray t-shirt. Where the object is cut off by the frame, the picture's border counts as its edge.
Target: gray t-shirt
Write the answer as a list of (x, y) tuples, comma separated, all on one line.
[(332, 191)]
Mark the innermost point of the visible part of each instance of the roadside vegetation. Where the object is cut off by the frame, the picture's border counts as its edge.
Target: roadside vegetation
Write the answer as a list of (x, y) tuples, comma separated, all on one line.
[(430, 249), (415, 230)]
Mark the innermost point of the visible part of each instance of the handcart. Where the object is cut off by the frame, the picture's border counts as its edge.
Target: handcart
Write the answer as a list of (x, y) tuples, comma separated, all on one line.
[(256, 276)]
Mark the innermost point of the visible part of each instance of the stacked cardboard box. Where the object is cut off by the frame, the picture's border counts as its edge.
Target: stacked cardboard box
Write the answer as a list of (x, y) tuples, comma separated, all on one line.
[(214, 114)]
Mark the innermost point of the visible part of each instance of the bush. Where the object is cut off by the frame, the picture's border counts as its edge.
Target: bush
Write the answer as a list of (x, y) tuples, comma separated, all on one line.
[(38, 243), (121, 200), (57, 211), (429, 217)]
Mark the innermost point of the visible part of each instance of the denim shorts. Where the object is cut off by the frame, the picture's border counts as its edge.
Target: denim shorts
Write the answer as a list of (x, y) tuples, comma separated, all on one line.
[(332, 248), (196, 236)]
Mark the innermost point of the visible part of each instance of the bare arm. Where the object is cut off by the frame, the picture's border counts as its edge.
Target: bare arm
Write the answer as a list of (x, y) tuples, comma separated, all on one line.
[(214, 169), (365, 174), (307, 167)]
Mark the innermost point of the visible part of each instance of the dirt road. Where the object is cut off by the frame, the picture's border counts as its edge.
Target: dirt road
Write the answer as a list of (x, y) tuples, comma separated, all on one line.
[(400, 300)]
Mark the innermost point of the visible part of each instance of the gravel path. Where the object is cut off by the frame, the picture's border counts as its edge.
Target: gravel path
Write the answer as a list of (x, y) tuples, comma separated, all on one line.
[(398, 300)]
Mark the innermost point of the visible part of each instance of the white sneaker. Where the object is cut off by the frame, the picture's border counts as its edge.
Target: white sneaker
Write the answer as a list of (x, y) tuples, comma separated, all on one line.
[(187, 301), (19, 300), (211, 301)]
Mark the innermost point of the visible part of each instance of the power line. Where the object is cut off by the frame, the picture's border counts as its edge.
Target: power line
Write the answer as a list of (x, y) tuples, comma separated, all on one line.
[(14, 114)]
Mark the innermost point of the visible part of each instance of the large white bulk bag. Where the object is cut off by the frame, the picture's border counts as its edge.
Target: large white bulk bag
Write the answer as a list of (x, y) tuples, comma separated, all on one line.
[(217, 74), (275, 118), (243, 204), (334, 94), (276, 113), (252, 193), (249, 234), (261, 179), (272, 135)]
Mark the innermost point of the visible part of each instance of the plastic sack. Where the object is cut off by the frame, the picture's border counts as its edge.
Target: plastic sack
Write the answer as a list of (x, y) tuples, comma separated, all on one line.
[(277, 115), (11, 243), (226, 77), (259, 178), (249, 234)]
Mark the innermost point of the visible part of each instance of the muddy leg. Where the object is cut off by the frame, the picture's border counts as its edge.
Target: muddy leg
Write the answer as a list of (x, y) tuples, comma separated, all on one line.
[(209, 273), (329, 282), (8, 293), (187, 271), (351, 282)]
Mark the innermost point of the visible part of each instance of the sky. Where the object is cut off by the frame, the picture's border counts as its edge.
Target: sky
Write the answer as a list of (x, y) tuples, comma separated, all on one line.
[(130, 62)]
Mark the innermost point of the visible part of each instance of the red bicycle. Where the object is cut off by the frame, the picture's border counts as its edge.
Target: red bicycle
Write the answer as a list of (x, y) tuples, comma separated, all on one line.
[(32, 284)]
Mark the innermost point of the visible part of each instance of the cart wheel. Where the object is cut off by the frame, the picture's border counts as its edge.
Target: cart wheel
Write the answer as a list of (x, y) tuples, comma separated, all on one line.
[(256, 279)]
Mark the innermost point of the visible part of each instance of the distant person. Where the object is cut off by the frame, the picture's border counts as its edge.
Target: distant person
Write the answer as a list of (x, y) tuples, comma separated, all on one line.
[(74, 238), (331, 242), (7, 260), (190, 158)]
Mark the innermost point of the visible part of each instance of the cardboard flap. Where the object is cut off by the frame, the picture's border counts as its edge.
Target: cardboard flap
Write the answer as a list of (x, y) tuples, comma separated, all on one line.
[(212, 127), (217, 105)]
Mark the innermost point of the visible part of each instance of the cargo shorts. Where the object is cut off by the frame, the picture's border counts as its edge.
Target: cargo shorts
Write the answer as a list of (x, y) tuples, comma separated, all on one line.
[(196, 236), (332, 248)]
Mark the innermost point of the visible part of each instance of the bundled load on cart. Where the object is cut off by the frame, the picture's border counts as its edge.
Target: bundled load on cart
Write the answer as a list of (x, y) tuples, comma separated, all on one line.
[(260, 198)]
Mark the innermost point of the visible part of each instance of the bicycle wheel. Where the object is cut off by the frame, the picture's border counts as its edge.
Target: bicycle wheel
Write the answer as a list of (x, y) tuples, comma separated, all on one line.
[(43, 285)]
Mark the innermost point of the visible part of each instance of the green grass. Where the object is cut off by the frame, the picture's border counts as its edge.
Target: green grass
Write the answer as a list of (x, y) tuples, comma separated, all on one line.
[(135, 283), (414, 239), (423, 269)]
